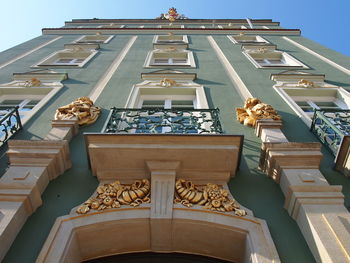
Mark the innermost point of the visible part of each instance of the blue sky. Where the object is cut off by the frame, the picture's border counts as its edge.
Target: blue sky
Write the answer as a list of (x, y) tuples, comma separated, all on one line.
[(324, 21)]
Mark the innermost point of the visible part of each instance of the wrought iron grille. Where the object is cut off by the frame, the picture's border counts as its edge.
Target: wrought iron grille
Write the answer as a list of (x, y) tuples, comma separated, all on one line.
[(330, 126), (10, 123), (152, 120)]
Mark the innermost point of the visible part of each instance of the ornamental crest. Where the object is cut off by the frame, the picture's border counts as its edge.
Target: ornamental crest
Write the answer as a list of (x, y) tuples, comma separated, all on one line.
[(172, 15)]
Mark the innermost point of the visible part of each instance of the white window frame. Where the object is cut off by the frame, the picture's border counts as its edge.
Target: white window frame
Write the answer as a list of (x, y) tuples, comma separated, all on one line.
[(96, 39), (236, 39), (16, 91), (151, 90), (287, 61), (156, 39), (51, 60), (341, 99), (152, 55)]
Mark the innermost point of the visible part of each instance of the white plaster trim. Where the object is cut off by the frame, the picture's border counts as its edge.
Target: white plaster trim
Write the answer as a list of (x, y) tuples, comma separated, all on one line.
[(28, 52), (234, 77), (101, 84), (330, 62)]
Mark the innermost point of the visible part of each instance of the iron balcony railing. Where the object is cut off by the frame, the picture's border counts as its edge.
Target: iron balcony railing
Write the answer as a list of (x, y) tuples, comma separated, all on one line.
[(152, 120), (10, 123), (330, 126)]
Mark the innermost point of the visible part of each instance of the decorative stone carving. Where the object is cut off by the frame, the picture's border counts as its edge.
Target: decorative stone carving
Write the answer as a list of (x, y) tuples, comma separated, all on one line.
[(211, 196), (304, 83), (172, 15), (167, 82), (254, 110), (116, 194), (82, 109)]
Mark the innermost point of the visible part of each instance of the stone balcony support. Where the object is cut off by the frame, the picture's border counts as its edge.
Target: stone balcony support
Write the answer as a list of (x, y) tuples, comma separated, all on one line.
[(317, 207)]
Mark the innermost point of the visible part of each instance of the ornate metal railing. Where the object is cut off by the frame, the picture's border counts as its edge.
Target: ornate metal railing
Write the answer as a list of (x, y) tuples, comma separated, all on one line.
[(151, 120), (10, 123), (330, 126)]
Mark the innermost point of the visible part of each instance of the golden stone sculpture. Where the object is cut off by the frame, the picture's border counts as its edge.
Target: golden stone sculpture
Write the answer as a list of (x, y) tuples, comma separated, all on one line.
[(254, 110), (304, 83), (116, 194), (167, 82), (211, 196), (82, 109), (33, 82)]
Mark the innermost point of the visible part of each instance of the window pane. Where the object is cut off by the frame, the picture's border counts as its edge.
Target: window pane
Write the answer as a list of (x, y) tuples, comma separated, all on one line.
[(182, 104), (11, 102), (161, 60), (153, 104), (64, 60), (179, 60), (305, 106)]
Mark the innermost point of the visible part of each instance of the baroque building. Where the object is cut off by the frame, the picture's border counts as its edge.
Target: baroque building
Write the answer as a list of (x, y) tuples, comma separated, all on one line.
[(221, 140)]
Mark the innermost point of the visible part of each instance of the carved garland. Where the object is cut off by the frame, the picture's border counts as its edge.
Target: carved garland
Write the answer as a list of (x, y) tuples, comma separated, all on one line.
[(116, 194), (254, 110), (82, 109), (211, 196)]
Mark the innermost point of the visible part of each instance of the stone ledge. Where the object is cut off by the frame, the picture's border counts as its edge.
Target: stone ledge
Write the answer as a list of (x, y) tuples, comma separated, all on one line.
[(63, 130), (267, 124), (51, 154), (289, 155)]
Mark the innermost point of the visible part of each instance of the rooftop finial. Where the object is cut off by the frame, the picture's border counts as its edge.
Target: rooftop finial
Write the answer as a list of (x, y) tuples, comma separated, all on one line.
[(172, 15)]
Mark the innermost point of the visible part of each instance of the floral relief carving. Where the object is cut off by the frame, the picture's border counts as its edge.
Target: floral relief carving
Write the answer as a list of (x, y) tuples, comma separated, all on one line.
[(82, 109), (210, 196), (116, 194), (253, 110)]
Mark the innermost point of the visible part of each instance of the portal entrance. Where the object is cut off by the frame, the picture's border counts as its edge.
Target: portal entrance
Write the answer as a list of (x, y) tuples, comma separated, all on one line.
[(156, 258)]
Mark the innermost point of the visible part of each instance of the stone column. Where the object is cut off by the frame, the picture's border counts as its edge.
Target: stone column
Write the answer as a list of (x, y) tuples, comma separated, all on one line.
[(316, 206), (163, 175)]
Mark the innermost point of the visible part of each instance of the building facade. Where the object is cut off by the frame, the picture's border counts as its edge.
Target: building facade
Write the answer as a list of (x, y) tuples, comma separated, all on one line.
[(226, 139)]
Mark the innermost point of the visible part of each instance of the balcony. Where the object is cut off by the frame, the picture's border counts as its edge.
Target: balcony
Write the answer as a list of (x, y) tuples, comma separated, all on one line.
[(332, 128), (10, 123), (132, 139), (170, 121)]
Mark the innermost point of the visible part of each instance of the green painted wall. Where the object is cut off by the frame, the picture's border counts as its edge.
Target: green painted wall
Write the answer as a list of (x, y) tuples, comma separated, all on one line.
[(250, 187)]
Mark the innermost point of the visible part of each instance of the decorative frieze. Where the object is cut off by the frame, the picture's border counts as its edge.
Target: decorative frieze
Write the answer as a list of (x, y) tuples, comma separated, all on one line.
[(116, 194), (211, 196)]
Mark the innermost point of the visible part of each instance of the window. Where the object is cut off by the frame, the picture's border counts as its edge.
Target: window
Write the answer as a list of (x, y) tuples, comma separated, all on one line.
[(75, 55), (238, 39), (269, 57), (28, 98), (171, 57), (170, 39), (305, 93), (99, 39), (171, 26), (25, 103)]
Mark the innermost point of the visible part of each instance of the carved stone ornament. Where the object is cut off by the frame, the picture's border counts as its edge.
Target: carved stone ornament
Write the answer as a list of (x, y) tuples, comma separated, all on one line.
[(82, 109), (116, 194), (304, 83), (255, 110), (211, 196), (172, 15), (167, 82)]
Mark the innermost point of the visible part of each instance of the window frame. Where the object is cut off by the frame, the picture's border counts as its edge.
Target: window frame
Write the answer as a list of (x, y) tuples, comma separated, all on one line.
[(262, 41), (251, 52), (16, 91), (69, 53), (151, 56), (105, 40)]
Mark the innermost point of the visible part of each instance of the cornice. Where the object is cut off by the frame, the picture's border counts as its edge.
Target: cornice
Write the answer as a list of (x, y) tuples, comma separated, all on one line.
[(182, 21), (212, 31)]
